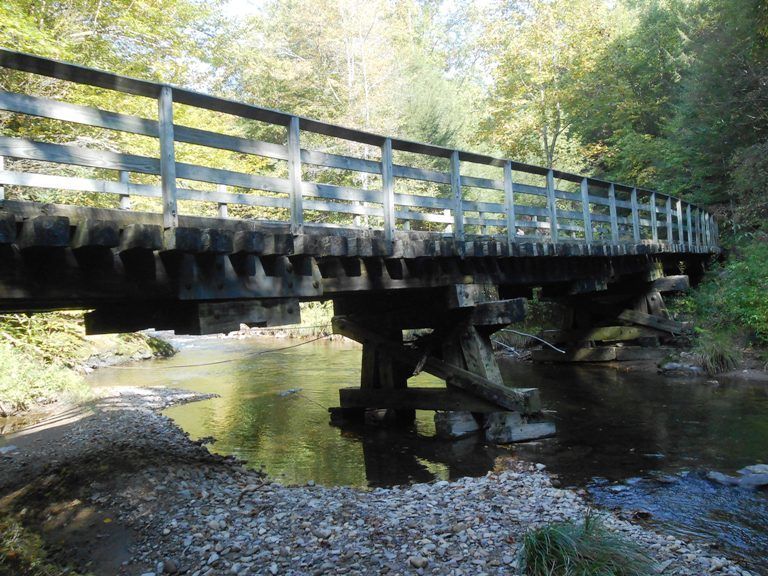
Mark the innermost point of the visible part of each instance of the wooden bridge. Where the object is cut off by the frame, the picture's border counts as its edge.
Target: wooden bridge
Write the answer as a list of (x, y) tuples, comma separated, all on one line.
[(398, 234)]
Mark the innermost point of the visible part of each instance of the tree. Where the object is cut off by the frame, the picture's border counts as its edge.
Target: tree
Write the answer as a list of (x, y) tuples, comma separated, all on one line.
[(542, 50)]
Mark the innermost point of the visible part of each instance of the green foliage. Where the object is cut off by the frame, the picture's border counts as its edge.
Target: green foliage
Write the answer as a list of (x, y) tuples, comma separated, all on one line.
[(729, 307), (543, 50), (676, 99), (315, 319), (733, 296), (159, 348), (749, 182), (55, 338), (25, 381), (584, 549), (39, 355)]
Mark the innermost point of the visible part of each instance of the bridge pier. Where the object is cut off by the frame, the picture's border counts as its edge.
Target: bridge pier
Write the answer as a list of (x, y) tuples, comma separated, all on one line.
[(628, 321), (448, 336)]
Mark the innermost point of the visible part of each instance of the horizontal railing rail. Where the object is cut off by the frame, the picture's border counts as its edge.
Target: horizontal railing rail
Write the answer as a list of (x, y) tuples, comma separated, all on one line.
[(523, 203)]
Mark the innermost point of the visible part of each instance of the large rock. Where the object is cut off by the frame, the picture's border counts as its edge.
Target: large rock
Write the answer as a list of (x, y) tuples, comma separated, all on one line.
[(721, 478), (682, 369), (508, 427), (755, 469), (754, 481), (455, 424)]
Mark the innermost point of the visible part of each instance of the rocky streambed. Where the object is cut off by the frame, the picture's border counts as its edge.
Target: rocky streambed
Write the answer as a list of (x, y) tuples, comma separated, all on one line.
[(117, 488)]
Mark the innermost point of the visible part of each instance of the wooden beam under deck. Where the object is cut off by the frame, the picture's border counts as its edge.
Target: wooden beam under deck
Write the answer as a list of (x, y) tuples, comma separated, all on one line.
[(106, 256)]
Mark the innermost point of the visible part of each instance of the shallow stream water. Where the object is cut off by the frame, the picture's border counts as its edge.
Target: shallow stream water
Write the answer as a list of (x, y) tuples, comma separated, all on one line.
[(635, 441)]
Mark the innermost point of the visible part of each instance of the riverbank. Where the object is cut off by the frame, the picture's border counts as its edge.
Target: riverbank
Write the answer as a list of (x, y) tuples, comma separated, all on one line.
[(114, 487), (43, 359)]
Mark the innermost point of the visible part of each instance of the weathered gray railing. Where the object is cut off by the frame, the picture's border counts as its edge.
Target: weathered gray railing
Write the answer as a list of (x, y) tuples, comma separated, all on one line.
[(592, 212)]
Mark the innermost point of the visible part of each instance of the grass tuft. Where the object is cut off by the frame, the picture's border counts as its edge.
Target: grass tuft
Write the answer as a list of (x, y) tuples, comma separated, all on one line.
[(717, 351), (587, 548)]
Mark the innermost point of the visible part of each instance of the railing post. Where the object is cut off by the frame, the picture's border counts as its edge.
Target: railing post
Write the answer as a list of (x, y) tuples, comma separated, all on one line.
[(125, 199), (388, 190), (294, 176), (705, 228), (670, 230), (654, 220), (552, 205), (697, 226), (614, 216), (509, 205), (689, 225), (587, 215), (167, 157), (680, 226), (223, 208), (458, 203), (635, 216), (2, 188)]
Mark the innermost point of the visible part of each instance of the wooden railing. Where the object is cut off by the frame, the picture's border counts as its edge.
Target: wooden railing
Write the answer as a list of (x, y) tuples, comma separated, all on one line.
[(528, 202)]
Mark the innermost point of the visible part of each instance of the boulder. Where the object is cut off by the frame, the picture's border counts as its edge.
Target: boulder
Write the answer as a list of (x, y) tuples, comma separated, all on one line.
[(508, 427), (721, 478), (455, 424), (681, 369), (755, 469), (754, 481)]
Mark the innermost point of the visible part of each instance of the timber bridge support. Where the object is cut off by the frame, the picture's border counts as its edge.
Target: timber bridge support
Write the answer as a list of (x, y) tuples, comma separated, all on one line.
[(400, 235)]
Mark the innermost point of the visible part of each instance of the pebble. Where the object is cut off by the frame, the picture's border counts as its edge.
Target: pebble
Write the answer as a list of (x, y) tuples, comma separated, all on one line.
[(417, 561)]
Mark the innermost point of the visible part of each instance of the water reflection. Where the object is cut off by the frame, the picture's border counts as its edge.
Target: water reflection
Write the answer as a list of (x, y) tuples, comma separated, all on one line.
[(621, 424), (288, 434)]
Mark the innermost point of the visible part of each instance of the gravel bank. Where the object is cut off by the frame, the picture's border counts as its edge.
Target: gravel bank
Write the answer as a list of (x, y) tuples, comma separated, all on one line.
[(150, 501)]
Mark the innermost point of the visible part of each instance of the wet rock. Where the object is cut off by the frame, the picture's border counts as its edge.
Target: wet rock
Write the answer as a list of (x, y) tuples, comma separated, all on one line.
[(663, 477), (170, 566), (508, 427), (681, 369), (754, 481), (721, 478), (755, 469), (455, 424)]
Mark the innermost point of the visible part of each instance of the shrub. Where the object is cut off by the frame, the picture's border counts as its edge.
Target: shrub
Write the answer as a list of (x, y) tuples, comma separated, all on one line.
[(25, 380), (729, 307), (732, 297), (581, 549)]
